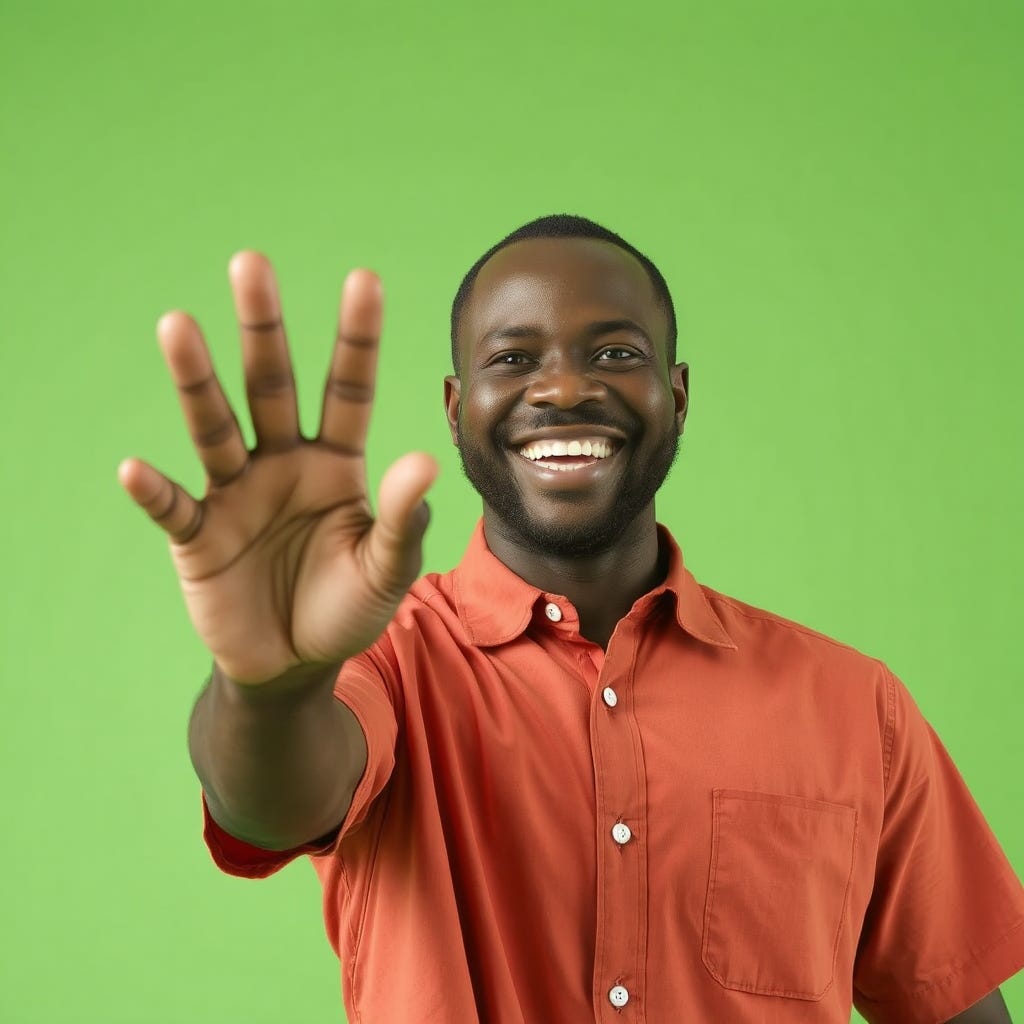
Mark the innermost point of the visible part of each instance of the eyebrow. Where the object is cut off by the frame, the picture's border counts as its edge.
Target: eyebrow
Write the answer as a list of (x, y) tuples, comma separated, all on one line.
[(593, 330)]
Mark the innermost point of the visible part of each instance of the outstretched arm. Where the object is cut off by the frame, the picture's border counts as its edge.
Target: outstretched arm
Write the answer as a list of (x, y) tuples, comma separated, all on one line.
[(285, 571)]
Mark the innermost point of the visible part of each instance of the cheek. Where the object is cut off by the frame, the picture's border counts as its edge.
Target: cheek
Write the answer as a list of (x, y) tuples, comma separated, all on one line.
[(483, 406), (656, 407)]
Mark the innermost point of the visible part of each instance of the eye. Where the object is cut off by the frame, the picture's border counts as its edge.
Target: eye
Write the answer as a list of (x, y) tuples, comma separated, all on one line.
[(509, 359), (617, 354)]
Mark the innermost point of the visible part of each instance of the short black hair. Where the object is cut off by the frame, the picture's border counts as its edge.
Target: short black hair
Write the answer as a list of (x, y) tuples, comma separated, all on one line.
[(565, 225)]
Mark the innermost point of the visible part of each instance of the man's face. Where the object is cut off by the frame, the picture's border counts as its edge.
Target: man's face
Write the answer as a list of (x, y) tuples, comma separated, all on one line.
[(566, 413)]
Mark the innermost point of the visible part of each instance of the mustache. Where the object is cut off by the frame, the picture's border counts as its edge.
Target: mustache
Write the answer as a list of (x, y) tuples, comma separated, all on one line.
[(552, 417)]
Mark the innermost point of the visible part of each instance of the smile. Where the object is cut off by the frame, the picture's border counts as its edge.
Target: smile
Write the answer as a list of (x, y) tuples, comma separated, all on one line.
[(568, 455), (596, 447)]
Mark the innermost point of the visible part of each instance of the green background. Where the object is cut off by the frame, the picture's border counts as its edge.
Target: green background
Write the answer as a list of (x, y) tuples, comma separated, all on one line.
[(833, 191)]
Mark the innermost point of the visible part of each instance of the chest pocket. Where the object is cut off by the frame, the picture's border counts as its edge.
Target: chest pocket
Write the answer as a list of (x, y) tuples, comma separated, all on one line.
[(777, 892)]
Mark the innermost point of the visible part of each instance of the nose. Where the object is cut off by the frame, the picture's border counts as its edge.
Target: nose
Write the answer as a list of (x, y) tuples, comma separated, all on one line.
[(564, 386)]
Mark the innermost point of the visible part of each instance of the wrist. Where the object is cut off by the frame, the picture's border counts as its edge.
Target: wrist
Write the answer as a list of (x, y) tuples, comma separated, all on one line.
[(297, 681)]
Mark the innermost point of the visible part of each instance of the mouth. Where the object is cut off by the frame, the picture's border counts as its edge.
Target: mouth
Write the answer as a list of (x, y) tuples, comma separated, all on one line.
[(568, 454), (561, 458)]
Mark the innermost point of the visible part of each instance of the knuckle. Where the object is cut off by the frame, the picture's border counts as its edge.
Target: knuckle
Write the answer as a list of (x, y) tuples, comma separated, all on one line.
[(350, 390), (199, 386), (270, 384), (339, 448), (217, 435), (169, 507), (191, 529), (364, 341)]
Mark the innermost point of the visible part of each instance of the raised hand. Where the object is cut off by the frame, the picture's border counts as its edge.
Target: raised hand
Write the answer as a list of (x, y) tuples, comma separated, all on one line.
[(282, 563)]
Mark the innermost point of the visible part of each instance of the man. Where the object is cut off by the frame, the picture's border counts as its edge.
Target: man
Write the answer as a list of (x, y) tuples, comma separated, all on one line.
[(563, 782)]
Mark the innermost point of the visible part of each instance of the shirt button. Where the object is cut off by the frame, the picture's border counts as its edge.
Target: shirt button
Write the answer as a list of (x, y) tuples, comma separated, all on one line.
[(611, 698), (621, 834), (553, 612), (618, 996)]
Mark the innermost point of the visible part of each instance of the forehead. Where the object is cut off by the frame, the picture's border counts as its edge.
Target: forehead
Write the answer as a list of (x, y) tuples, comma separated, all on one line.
[(560, 285)]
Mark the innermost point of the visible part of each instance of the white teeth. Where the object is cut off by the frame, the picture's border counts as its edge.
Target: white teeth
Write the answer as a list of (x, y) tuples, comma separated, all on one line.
[(548, 449)]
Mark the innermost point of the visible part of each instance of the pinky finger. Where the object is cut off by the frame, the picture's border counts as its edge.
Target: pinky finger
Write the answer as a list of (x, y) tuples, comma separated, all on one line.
[(167, 503)]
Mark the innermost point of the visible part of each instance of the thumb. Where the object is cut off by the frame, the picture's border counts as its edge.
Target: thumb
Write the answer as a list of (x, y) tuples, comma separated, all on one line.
[(402, 516)]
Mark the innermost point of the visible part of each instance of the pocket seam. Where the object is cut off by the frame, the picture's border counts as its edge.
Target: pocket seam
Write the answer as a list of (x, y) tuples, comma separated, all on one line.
[(820, 806)]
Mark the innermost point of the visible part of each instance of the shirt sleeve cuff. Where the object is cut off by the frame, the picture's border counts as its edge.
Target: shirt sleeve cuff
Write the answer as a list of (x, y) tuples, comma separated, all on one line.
[(236, 857), (969, 983)]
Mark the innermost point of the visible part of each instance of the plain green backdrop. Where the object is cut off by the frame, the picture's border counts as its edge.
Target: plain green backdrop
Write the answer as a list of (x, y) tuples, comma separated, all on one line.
[(833, 191)]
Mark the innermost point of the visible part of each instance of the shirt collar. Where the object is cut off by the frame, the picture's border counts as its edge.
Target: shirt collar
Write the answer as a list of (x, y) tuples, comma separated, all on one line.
[(495, 605)]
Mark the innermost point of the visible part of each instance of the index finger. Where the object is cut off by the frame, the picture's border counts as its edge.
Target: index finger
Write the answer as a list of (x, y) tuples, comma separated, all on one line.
[(348, 394)]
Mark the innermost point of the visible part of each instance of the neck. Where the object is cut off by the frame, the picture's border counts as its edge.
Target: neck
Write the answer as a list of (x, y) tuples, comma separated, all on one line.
[(601, 587)]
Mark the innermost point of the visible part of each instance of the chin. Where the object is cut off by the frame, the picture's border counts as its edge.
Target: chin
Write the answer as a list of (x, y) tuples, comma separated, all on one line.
[(555, 538), (566, 527)]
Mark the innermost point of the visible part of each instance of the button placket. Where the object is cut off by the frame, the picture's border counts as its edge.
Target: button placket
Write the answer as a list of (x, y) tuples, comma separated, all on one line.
[(620, 789)]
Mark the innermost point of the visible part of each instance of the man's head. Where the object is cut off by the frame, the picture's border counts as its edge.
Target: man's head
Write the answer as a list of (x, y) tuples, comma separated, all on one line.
[(564, 225), (564, 337)]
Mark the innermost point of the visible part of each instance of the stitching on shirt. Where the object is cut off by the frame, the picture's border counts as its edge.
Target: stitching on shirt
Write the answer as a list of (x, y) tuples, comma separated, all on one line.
[(599, 947), (890, 729), (709, 897), (728, 642), (502, 638), (462, 609), (946, 979), (640, 767), (366, 899), (712, 968), (390, 674), (846, 899), (778, 620)]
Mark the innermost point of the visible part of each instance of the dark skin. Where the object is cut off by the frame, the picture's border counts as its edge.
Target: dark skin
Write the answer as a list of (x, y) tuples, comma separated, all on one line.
[(991, 1010), (285, 570), (574, 327)]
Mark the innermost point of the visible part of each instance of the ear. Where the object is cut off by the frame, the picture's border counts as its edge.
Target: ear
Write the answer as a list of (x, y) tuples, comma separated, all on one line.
[(452, 394), (679, 375)]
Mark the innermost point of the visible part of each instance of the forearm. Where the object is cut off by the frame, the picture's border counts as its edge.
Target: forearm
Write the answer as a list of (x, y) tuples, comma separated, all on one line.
[(991, 1010), (278, 762)]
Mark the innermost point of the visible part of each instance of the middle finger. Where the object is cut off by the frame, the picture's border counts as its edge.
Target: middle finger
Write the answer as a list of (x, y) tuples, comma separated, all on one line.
[(269, 380)]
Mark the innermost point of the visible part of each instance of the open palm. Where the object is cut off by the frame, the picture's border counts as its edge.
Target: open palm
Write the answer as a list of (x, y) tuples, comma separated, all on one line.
[(282, 563)]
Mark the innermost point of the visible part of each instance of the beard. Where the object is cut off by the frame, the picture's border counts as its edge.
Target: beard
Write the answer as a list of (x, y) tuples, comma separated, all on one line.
[(486, 470)]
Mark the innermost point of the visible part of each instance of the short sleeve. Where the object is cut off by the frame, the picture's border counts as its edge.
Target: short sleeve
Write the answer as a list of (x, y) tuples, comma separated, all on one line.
[(365, 685), (945, 924), (368, 686)]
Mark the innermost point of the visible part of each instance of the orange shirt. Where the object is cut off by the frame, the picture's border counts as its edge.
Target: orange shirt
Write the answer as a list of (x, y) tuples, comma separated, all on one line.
[(726, 818)]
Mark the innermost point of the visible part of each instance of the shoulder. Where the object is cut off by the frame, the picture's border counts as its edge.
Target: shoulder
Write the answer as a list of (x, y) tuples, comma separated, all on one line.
[(769, 643), (429, 603), (753, 623), (427, 617)]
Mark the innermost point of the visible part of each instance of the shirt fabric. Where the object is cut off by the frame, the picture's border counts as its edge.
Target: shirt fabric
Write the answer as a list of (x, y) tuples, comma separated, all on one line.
[(724, 817)]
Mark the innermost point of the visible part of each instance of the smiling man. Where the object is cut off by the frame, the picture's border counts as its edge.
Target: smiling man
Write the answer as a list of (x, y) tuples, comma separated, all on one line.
[(564, 781)]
